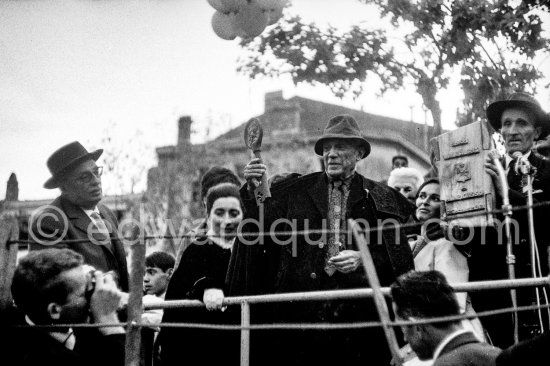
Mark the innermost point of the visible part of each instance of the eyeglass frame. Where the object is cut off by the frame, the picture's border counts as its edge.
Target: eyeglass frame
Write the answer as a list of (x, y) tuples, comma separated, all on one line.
[(86, 177)]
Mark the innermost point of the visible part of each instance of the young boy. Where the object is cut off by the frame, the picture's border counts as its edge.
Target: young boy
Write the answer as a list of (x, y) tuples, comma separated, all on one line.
[(158, 269)]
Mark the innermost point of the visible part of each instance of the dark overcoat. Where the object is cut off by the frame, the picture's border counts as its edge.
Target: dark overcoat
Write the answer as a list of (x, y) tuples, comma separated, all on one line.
[(294, 263), (61, 219), (487, 259)]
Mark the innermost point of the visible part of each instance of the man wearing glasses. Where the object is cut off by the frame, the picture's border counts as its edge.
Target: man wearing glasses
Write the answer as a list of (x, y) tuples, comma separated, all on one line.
[(77, 215)]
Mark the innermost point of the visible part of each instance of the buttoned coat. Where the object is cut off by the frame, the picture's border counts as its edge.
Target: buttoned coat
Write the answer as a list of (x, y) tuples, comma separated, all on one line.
[(275, 267), (62, 219)]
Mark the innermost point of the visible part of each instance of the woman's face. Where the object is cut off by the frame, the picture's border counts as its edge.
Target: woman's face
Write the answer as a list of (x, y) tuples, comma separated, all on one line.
[(225, 216), (428, 203)]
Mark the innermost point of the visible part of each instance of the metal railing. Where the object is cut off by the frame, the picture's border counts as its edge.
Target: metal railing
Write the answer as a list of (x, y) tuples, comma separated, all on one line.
[(8, 253)]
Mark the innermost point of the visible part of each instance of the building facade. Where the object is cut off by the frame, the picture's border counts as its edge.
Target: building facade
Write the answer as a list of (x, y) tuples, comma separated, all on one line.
[(291, 127)]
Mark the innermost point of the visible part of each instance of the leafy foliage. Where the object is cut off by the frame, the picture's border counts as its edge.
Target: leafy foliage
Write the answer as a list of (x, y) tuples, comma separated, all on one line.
[(491, 44)]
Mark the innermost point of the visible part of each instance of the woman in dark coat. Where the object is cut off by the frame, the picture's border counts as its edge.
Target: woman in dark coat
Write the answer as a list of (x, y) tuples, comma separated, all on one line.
[(202, 275)]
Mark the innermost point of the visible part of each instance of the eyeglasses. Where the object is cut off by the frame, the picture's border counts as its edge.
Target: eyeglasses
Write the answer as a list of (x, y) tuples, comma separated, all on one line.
[(87, 177)]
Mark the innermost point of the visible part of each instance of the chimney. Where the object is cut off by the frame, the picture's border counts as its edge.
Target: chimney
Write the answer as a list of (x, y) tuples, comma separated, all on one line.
[(184, 131), (282, 116), (12, 189), (273, 100)]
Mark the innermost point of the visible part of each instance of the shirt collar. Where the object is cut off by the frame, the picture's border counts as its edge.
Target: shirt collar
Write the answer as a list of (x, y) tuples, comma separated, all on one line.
[(90, 212), (448, 340), (221, 242), (346, 180), (508, 158), (66, 338)]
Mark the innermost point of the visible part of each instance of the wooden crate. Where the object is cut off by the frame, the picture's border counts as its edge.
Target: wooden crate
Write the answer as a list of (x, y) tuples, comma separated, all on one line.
[(465, 186)]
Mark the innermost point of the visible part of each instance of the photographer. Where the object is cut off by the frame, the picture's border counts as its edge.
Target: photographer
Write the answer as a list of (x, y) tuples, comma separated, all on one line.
[(52, 287)]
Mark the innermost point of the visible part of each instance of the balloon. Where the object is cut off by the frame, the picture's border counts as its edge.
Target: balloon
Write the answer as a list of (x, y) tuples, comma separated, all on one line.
[(271, 4), (251, 20), (218, 5), (227, 6), (224, 25), (274, 15)]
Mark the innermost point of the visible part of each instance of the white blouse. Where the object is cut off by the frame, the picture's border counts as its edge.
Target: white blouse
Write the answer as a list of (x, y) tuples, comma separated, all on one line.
[(441, 255)]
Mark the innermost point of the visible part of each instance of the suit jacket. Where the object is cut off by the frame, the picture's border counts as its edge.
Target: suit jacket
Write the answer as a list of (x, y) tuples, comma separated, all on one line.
[(488, 261), (301, 203), (541, 193), (35, 347), (61, 219), (466, 350), (531, 352)]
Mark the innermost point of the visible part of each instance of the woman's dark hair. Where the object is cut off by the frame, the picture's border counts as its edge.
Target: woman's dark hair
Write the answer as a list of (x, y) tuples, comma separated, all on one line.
[(220, 191), (217, 175), (426, 182)]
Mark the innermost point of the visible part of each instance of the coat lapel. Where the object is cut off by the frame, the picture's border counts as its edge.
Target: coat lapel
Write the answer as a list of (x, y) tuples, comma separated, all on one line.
[(76, 215), (82, 222), (319, 194), (356, 192)]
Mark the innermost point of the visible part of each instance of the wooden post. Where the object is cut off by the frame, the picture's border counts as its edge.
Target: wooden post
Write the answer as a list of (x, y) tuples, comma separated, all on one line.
[(245, 334), (9, 230), (135, 300), (378, 296)]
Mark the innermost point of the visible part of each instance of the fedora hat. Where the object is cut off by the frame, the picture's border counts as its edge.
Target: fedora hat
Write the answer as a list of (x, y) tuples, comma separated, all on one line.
[(523, 101), (342, 127), (65, 159)]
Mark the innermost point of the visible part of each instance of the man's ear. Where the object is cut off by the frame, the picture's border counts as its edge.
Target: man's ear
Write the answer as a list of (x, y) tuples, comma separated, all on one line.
[(360, 153), (169, 272), (54, 310), (538, 131)]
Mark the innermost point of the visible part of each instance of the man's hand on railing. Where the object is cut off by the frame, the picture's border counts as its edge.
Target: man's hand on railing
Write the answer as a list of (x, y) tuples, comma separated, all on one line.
[(213, 299)]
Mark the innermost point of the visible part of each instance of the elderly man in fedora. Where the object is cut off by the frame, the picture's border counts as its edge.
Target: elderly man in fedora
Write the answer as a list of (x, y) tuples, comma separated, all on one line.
[(521, 122), (323, 261), (77, 214)]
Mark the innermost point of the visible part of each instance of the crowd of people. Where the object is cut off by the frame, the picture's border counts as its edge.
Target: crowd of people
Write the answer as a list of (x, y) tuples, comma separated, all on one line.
[(77, 271)]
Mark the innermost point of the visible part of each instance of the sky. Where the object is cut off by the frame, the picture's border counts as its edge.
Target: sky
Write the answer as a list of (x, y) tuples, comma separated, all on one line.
[(117, 74)]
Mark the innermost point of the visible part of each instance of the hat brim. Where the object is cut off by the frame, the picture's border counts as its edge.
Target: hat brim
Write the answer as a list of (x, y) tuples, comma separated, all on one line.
[(54, 181), (495, 110), (364, 143)]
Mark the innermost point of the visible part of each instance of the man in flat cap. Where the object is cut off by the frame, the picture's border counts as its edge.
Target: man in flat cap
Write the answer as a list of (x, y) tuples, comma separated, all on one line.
[(77, 214), (324, 261), (521, 122)]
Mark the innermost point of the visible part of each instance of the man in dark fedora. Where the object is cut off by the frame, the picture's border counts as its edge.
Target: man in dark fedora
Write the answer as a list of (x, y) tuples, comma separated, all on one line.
[(77, 214), (521, 122), (323, 261)]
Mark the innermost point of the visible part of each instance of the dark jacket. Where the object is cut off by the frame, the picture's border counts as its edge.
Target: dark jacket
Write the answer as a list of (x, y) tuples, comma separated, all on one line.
[(487, 259), (532, 352), (299, 266), (49, 225), (203, 265), (468, 351), (34, 347)]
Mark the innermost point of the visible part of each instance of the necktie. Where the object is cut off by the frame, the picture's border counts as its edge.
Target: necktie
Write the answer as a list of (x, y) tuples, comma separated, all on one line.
[(513, 178), (335, 218), (102, 232)]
